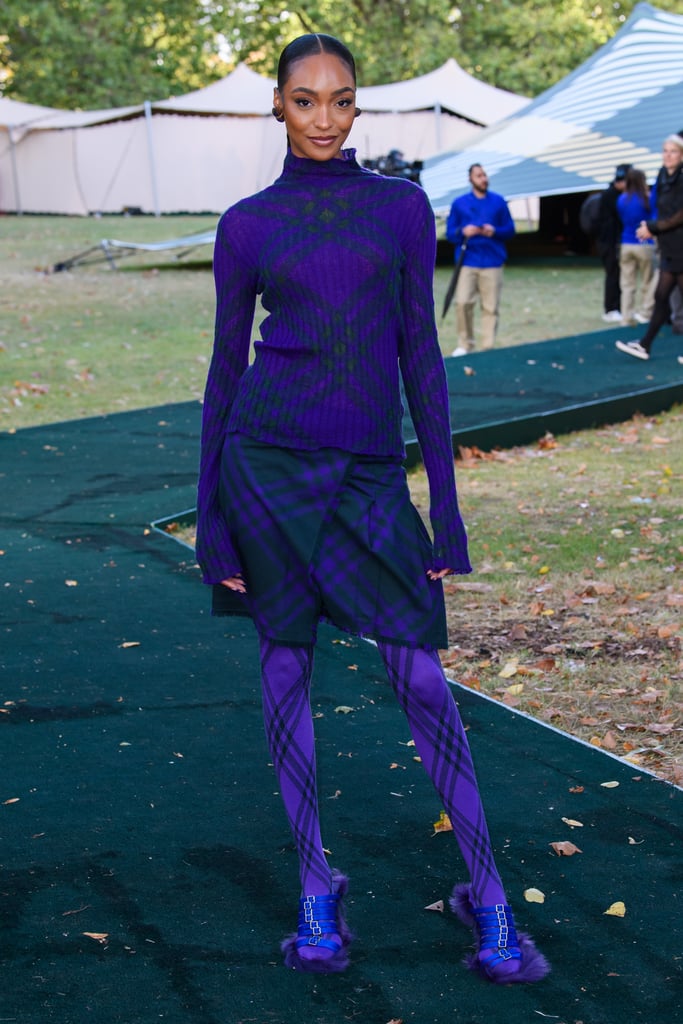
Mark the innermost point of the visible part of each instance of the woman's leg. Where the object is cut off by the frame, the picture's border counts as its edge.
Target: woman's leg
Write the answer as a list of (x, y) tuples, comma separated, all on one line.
[(660, 314), (286, 680), (502, 955), (440, 740), (321, 940), (628, 269)]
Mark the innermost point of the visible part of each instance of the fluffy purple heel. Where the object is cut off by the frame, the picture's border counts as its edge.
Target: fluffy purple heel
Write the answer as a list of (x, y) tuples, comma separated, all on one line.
[(320, 916), (513, 957)]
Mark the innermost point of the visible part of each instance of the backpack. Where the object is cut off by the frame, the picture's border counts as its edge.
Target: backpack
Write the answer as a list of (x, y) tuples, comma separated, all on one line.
[(589, 214)]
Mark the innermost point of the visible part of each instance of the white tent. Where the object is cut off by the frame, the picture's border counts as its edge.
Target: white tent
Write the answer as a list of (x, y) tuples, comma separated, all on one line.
[(205, 150), (616, 108)]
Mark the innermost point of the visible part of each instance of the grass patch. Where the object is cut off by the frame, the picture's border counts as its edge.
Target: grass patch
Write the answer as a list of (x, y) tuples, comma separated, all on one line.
[(573, 613)]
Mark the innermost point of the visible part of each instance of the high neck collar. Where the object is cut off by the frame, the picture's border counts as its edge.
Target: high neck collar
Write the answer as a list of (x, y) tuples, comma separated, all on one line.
[(322, 168)]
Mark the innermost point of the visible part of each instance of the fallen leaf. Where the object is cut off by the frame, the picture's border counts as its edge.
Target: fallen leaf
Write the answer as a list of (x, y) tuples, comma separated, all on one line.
[(534, 896), (100, 937), (565, 849), (439, 905), (343, 709), (617, 909), (576, 789), (71, 583), (635, 842), (12, 800), (609, 785), (572, 823), (515, 689), (130, 643), (443, 824), (508, 670)]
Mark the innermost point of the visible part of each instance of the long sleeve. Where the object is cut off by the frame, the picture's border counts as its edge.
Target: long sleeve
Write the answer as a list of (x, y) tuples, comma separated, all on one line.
[(424, 379), (236, 288)]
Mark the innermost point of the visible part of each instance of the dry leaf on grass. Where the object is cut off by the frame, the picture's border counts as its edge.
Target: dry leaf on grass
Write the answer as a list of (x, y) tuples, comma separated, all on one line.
[(572, 823), (534, 896), (343, 709), (617, 909), (100, 937), (609, 785)]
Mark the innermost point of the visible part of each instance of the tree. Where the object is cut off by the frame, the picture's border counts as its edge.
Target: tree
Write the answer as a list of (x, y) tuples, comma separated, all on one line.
[(76, 53), (390, 39), (521, 45), (102, 53)]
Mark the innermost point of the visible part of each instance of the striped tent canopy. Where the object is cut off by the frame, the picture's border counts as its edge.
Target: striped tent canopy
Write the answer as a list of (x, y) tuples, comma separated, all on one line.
[(617, 107)]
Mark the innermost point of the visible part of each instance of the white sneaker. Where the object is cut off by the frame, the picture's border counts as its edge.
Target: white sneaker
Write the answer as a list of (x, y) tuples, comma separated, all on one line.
[(633, 348), (640, 319), (613, 317), (459, 351)]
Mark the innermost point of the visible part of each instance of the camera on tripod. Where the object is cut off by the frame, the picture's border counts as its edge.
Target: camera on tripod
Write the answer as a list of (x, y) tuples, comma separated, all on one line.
[(394, 166)]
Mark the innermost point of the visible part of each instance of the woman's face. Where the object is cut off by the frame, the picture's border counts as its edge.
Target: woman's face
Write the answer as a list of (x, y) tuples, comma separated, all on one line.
[(319, 105), (672, 156)]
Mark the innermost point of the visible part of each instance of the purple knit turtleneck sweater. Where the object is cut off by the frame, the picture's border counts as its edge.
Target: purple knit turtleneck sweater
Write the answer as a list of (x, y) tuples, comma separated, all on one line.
[(343, 260)]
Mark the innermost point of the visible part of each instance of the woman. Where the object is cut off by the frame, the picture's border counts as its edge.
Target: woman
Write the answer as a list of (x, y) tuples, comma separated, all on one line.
[(667, 228), (636, 259), (303, 507)]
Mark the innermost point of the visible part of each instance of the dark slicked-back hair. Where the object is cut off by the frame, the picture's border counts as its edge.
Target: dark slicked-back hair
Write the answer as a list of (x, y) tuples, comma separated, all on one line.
[(308, 45)]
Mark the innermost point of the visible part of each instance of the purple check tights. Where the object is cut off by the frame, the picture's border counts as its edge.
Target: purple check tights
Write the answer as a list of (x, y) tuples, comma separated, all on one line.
[(422, 691)]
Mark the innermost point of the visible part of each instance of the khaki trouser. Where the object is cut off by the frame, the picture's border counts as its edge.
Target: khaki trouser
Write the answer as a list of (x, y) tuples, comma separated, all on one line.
[(637, 261), (487, 283)]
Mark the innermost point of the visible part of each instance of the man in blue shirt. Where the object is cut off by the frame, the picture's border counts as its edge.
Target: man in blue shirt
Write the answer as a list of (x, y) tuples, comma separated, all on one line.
[(482, 219)]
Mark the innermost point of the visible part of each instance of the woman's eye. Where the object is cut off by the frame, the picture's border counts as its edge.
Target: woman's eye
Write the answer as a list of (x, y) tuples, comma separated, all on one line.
[(303, 103)]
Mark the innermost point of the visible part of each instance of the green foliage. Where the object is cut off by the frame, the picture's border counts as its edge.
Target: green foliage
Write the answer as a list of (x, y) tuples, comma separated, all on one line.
[(102, 53), (527, 46), (99, 53)]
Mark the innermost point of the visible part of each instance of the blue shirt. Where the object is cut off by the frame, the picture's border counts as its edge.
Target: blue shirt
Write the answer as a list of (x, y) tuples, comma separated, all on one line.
[(490, 209), (632, 212)]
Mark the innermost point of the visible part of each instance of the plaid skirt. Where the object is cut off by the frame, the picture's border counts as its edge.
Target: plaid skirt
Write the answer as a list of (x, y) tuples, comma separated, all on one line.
[(327, 535)]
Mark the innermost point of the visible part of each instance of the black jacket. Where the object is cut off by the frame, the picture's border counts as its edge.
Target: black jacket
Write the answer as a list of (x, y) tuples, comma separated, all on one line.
[(668, 226), (609, 226)]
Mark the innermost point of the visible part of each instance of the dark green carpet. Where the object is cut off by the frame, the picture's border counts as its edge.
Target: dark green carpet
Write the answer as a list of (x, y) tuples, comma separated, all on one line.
[(514, 395), (137, 800)]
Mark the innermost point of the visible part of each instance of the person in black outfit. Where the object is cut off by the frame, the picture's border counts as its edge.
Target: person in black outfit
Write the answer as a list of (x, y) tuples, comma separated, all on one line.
[(607, 243), (667, 228)]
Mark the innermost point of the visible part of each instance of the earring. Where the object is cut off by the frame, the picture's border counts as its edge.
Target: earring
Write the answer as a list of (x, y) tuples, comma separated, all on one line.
[(357, 112), (278, 115)]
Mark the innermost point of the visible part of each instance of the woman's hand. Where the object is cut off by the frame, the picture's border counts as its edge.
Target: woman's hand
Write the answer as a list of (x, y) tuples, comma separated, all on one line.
[(235, 583), (642, 233), (438, 574)]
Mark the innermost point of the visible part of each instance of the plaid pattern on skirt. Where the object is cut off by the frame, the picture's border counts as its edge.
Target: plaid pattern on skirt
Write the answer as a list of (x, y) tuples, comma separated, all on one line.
[(327, 535)]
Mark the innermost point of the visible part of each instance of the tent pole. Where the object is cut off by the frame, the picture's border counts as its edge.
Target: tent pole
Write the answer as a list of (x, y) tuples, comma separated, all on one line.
[(152, 161), (15, 173), (437, 126)]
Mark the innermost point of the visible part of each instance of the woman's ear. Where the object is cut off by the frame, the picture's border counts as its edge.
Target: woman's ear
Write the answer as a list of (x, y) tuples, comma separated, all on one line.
[(277, 106)]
